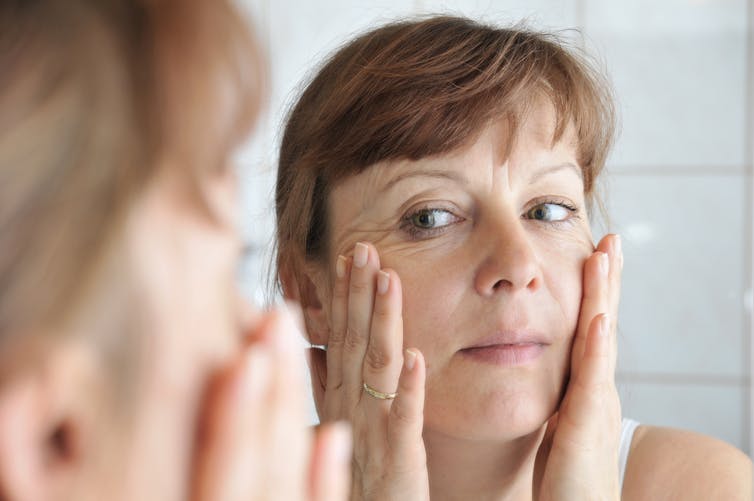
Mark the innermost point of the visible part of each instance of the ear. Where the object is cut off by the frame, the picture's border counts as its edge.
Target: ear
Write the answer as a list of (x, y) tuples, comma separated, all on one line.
[(309, 289), (40, 431)]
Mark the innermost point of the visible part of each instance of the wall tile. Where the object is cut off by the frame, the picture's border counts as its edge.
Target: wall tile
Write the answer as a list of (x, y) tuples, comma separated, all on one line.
[(545, 14), (713, 410), (682, 303), (679, 72)]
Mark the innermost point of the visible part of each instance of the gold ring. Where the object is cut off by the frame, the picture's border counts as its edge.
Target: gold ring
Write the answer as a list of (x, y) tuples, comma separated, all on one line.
[(378, 394)]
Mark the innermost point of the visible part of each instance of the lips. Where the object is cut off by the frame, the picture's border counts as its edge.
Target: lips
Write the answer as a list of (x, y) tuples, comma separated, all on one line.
[(507, 348)]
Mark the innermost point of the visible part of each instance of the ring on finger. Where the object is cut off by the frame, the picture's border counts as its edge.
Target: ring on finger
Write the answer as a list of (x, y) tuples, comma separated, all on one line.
[(378, 394)]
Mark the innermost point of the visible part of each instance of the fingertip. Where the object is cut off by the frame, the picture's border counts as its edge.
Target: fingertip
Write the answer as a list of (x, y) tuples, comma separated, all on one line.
[(412, 373), (409, 359), (360, 254), (604, 324), (341, 267), (598, 335), (603, 263), (383, 282)]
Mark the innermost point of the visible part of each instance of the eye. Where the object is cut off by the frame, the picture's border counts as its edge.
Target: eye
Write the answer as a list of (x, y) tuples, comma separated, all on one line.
[(428, 222), (427, 219), (550, 212)]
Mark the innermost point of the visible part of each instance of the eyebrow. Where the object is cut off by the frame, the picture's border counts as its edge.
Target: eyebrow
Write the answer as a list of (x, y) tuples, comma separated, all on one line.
[(437, 174), (546, 171)]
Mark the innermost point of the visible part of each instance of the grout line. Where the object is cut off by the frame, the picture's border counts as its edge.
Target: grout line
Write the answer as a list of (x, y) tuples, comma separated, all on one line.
[(682, 379), (748, 410)]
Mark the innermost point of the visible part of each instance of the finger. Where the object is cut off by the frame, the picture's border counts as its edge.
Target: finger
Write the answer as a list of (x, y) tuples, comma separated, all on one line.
[(595, 364), (406, 419), (330, 463), (383, 360), (227, 456), (339, 324), (594, 301), (361, 292), (287, 437), (593, 379), (611, 244)]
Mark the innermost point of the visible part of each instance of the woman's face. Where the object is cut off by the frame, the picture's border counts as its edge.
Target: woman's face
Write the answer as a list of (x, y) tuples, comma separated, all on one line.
[(490, 251)]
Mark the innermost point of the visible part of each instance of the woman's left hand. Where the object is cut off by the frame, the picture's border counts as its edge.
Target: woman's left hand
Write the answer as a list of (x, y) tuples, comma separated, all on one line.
[(578, 458)]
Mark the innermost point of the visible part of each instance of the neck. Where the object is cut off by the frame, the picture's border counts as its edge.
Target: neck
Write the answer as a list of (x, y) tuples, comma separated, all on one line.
[(481, 469)]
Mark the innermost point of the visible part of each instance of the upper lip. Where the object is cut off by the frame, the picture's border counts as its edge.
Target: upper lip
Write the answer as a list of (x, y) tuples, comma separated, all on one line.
[(509, 337)]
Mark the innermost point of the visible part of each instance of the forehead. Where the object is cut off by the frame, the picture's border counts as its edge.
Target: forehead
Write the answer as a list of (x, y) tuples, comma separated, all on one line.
[(523, 150)]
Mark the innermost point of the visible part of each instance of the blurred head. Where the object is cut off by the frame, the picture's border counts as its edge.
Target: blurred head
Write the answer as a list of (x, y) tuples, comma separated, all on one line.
[(118, 241), (468, 155)]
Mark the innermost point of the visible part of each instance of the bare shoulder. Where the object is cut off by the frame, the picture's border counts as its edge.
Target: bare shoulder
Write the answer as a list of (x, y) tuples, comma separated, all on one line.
[(666, 463)]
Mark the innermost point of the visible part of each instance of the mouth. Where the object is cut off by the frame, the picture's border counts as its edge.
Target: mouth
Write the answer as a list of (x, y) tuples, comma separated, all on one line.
[(506, 350)]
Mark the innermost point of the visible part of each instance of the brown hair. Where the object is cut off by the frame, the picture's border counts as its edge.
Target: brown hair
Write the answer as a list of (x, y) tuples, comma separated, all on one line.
[(95, 96), (414, 89)]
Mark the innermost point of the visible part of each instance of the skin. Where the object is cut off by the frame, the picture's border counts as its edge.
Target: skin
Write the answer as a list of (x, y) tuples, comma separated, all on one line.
[(493, 266), (217, 412), (461, 428)]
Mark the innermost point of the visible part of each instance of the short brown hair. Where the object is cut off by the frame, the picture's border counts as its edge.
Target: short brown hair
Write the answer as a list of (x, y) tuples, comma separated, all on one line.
[(418, 88), (95, 95)]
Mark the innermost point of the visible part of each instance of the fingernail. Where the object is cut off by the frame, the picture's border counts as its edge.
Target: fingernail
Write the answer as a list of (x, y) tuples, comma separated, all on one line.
[(383, 282), (618, 247), (342, 440), (255, 374), (409, 359), (340, 266), (604, 265), (360, 255), (604, 324), (619, 250)]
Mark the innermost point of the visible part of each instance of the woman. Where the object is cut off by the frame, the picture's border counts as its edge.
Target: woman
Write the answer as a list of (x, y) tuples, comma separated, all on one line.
[(129, 369), (434, 190)]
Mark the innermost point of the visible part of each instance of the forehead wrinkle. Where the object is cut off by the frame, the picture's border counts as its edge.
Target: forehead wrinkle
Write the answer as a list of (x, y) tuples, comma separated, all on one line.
[(430, 173), (541, 172)]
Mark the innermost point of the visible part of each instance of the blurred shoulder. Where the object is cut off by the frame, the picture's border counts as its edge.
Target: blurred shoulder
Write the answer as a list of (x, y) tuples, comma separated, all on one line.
[(666, 463)]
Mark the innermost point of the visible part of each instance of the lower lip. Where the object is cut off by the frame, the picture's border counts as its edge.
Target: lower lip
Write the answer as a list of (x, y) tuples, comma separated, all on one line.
[(506, 355)]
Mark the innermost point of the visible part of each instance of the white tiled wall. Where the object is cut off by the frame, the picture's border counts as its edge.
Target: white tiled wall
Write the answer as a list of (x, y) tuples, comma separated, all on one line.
[(679, 184)]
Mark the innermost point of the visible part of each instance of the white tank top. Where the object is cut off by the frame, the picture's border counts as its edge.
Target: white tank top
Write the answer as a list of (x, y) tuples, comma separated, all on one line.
[(628, 427)]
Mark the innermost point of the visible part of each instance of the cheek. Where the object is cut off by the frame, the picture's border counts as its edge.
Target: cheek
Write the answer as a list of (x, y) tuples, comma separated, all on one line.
[(563, 277), (431, 300)]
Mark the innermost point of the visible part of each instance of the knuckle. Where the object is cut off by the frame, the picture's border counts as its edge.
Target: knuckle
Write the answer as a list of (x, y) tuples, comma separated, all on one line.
[(354, 340), (381, 311), (340, 292), (358, 287), (336, 337), (377, 358), (402, 415)]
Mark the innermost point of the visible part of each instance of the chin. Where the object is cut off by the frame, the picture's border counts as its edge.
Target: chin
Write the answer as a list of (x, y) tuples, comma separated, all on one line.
[(496, 413)]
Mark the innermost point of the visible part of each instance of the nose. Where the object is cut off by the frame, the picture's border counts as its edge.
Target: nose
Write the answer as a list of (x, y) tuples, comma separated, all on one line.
[(510, 263)]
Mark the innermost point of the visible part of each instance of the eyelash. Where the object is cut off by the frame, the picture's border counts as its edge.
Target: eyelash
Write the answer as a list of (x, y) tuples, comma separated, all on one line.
[(416, 233), (567, 205)]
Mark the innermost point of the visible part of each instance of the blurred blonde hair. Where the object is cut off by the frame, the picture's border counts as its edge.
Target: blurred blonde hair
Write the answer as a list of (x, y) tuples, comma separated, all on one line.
[(95, 96)]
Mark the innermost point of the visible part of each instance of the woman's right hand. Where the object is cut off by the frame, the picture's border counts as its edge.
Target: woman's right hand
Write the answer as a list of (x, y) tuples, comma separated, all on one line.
[(365, 347), (253, 440)]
